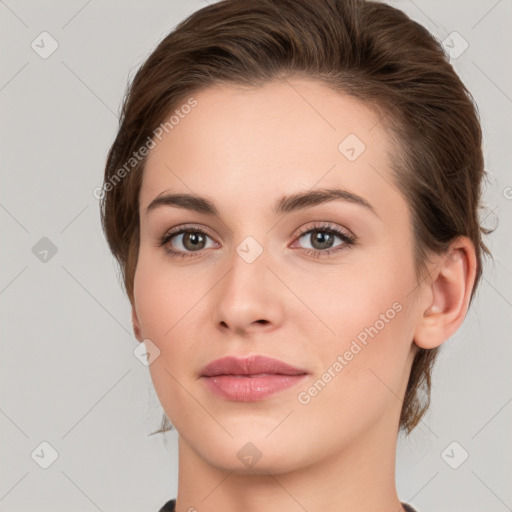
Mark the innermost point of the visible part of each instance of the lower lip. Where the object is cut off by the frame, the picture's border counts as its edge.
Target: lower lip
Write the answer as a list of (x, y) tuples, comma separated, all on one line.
[(246, 388)]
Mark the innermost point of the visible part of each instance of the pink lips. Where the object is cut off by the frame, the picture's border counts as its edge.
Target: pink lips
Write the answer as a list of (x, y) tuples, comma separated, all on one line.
[(249, 379)]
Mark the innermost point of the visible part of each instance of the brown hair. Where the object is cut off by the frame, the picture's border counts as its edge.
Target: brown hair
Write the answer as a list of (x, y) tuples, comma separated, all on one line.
[(365, 49)]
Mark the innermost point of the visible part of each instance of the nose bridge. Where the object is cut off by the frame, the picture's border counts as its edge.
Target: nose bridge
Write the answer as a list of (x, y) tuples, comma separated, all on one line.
[(246, 294), (248, 267)]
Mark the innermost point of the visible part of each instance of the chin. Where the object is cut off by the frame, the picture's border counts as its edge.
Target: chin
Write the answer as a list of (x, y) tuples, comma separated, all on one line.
[(254, 454), (270, 462)]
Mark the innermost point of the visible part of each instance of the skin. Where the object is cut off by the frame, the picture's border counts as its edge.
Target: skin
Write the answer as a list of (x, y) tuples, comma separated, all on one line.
[(243, 149)]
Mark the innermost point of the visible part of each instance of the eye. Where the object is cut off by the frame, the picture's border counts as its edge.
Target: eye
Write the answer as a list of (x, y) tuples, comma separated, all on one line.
[(185, 240), (321, 239)]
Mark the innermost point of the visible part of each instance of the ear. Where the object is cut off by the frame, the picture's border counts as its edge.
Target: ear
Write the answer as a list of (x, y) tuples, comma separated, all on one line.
[(447, 294), (136, 324)]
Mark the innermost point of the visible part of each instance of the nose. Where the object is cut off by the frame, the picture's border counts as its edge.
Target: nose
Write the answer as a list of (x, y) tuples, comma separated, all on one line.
[(249, 298)]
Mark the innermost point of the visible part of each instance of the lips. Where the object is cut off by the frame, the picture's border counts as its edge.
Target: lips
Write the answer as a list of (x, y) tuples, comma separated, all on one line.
[(249, 379), (251, 365)]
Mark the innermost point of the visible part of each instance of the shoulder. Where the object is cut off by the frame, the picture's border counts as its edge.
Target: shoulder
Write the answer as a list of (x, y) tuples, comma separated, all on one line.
[(169, 506)]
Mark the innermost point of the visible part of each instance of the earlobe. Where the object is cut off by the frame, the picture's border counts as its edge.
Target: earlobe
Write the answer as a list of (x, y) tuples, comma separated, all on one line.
[(449, 294), (136, 325)]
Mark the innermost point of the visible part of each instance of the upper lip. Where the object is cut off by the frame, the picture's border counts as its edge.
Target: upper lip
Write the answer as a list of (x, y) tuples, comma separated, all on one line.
[(249, 366)]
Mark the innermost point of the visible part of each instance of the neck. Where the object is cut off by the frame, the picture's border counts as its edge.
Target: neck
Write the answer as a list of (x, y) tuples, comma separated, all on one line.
[(359, 477)]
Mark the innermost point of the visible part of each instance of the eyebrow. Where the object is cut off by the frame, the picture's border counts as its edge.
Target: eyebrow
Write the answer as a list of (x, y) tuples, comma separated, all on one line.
[(285, 204)]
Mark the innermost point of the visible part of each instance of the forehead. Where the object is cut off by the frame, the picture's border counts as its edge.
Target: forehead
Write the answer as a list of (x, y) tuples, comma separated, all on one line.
[(259, 142)]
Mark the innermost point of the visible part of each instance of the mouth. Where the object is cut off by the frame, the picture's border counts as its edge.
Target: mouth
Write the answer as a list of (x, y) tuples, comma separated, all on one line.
[(250, 379)]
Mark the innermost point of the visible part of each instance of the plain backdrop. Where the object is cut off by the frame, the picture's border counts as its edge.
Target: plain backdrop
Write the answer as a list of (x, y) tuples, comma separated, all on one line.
[(69, 378)]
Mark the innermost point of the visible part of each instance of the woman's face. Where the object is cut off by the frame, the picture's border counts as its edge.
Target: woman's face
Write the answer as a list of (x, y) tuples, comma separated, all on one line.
[(326, 286)]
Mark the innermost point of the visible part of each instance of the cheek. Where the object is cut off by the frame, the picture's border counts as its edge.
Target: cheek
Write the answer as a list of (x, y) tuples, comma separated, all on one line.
[(162, 301), (361, 375), (364, 355), (169, 308), (362, 300), (164, 297)]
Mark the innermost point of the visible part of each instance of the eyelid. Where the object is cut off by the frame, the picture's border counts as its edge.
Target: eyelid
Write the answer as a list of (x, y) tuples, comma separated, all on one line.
[(186, 227), (327, 226)]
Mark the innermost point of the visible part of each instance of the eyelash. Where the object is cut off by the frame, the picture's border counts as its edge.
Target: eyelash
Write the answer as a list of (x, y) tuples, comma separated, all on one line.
[(347, 239)]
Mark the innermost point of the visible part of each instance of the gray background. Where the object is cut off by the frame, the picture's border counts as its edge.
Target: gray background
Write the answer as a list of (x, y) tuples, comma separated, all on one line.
[(67, 369)]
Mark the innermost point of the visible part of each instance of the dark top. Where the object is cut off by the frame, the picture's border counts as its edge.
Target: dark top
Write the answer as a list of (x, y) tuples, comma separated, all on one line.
[(170, 507)]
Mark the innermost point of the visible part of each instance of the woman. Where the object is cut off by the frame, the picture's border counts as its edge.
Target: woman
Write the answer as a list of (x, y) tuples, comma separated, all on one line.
[(292, 197)]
